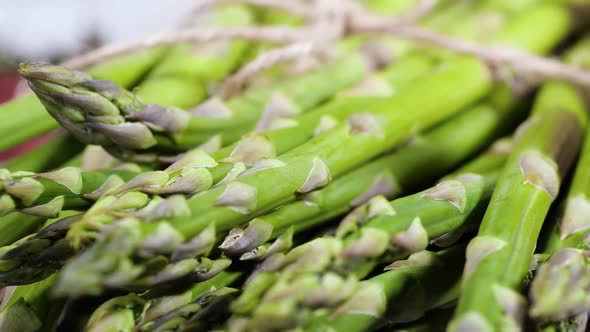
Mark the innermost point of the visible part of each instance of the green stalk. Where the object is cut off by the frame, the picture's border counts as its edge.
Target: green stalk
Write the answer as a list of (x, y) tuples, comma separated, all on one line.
[(378, 300), (26, 118), (46, 194), (140, 313), (385, 84), (302, 170), (322, 273), (71, 188), (434, 321), (30, 308), (184, 77), (15, 226), (558, 291), (102, 113), (239, 114), (404, 170), (275, 142), (310, 166), (498, 258)]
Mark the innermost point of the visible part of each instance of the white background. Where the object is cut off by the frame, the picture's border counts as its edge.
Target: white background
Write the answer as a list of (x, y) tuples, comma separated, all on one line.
[(37, 29)]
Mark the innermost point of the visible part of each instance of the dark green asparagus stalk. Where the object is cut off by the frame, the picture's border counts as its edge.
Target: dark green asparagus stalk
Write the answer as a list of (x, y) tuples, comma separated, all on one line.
[(37, 256), (431, 277), (30, 308), (434, 321), (498, 258), (26, 118), (146, 313), (99, 112)]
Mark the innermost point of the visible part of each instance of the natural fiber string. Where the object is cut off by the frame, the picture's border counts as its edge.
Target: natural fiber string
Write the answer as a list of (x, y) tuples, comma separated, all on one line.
[(279, 35), (531, 67), (356, 19), (539, 68), (328, 23), (264, 61)]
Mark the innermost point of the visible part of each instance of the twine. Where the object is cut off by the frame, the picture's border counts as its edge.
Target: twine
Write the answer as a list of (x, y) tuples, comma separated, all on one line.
[(329, 21)]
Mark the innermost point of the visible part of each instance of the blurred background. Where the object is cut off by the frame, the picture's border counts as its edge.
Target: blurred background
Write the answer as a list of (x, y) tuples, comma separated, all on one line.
[(42, 30)]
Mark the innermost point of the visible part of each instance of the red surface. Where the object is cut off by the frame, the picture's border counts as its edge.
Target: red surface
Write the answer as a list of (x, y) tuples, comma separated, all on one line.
[(8, 83)]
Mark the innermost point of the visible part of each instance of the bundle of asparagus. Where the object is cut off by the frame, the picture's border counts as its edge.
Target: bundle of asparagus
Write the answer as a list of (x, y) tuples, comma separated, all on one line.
[(236, 185)]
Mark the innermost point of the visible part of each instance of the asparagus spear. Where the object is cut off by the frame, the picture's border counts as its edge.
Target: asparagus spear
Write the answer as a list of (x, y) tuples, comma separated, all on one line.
[(431, 276), (46, 194), (334, 199), (15, 226), (280, 107), (308, 167), (30, 308), (145, 313), (390, 81), (498, 258), (302, 170), (433, 321), (403, 170), (26, 118), (210, 205), (558, 291), (293, 282), (98, 112)]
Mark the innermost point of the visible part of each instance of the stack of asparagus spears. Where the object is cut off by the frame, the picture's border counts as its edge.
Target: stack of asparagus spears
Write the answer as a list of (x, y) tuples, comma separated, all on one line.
[(388, 186)]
